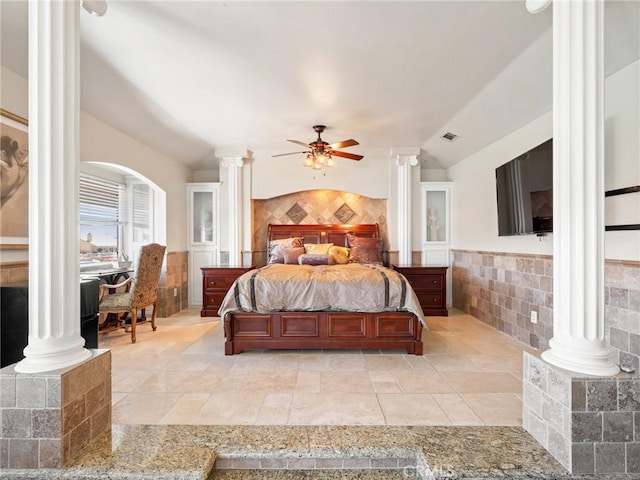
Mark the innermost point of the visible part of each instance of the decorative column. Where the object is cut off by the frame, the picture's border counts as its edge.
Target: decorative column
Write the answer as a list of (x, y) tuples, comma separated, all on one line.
[(235, 207), (578, 341), (54, 109), (405, 161)]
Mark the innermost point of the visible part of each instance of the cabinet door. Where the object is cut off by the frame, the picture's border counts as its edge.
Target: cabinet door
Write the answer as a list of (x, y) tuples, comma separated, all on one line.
[(197, 260), (203, 214)]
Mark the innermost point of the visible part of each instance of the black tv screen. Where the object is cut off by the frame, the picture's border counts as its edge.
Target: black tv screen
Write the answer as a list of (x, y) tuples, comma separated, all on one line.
[(524, 188)]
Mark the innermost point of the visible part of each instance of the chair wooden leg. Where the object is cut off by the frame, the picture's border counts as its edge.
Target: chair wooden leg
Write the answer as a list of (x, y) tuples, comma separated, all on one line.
[(153, 316), (134, 319)]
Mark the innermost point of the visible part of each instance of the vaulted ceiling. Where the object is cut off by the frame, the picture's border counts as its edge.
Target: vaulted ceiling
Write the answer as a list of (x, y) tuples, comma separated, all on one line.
[(190, 78)]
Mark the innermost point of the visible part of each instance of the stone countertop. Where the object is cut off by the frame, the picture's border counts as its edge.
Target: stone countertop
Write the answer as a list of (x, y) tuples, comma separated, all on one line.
[(190, 451)]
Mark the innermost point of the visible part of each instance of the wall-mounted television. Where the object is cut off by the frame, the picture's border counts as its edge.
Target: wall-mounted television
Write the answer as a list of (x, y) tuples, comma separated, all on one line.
[(524, 189)]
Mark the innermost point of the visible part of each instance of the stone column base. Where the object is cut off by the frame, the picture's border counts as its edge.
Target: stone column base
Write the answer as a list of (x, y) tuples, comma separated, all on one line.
[(589, 424), (48, 418)]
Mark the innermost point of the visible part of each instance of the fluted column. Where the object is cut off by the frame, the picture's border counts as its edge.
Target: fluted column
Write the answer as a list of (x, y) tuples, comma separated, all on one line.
[(578, 342), (405, 161), (54, 93), (235, 207)]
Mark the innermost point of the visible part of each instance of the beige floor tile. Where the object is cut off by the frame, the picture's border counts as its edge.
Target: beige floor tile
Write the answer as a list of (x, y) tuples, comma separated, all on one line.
[(456, 409), (329, 361), (386, 363), (186, 410), (130, 381), (230, 408), (190, 362), (181, 382), (142, 408), (180, 374), (496, 408), (335, 408), (419, 363), (412, 409), (422, 382), (384, 382), (483, 382), (270, 382), (345, 382), (447, 362), (275, 409), (308, 382), (497, 363)]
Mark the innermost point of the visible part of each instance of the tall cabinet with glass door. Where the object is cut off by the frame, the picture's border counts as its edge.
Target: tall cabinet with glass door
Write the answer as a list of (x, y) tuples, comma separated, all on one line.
[(435, 200), (203, 233)]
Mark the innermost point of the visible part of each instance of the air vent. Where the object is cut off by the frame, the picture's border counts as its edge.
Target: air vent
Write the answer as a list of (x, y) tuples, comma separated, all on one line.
[(451, 137)]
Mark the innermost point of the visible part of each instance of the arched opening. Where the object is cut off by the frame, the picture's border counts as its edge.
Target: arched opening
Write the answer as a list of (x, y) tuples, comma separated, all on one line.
[(120, 210)]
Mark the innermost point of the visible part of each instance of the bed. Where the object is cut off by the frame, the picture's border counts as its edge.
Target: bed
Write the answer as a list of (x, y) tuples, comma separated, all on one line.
[(344, 306)]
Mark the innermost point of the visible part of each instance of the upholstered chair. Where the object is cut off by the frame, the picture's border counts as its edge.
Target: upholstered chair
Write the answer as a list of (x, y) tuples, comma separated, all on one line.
[(140, 292)]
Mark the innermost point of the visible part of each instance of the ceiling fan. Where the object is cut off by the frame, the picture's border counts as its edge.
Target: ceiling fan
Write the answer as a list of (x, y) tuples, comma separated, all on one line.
[(320, 153)]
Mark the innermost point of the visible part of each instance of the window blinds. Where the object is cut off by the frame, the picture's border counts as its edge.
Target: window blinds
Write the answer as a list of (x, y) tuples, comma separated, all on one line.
[(100, 201)]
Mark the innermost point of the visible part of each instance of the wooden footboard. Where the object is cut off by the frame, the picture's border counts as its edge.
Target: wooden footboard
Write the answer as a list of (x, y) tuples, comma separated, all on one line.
[(322, 330)]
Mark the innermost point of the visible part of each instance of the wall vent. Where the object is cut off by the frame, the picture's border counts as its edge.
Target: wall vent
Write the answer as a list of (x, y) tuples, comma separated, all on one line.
[(451, 137)]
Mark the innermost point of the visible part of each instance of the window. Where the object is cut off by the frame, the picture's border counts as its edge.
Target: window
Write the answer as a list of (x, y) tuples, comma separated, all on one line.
[(139, 215), (101, 219), (115, 218)]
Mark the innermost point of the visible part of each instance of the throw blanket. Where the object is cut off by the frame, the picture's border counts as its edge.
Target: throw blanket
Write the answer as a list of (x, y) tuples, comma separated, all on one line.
[(352, 287)]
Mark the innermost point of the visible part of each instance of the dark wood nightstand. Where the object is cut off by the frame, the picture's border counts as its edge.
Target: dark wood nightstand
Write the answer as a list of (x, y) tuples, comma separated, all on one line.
[(430, 285), (216, 281)]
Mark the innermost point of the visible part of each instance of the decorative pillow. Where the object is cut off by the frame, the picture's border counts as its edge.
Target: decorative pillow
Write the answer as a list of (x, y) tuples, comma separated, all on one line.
[(317, 248), (291, 254), (340, 255), (364, 250), (276, 248), (315, 259)]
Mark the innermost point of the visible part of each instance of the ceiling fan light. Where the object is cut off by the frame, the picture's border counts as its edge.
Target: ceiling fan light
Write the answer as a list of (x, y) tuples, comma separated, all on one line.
[(317, 166), (308, 162), (331, 162)]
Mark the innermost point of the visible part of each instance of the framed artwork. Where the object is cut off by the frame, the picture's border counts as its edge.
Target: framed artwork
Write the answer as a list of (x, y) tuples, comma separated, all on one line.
[(14, 181)]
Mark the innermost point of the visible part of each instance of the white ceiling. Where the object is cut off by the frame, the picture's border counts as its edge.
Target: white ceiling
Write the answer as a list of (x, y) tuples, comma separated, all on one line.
[(192, 78)]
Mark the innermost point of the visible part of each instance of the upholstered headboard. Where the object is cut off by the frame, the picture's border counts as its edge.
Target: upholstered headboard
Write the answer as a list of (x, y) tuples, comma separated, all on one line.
[(321, 233)]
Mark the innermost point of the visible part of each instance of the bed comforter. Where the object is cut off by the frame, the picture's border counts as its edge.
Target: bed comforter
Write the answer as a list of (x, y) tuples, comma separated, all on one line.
[(352, 287)]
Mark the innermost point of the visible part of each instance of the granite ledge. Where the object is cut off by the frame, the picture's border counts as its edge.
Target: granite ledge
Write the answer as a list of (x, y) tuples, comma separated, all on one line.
[(189, 452)]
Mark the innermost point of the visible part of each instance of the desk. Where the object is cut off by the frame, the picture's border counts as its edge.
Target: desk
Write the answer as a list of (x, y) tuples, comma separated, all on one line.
[(110, 276)]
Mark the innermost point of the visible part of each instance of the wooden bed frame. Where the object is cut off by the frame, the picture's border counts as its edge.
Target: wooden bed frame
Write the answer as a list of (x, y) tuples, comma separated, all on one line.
[(323, 330)]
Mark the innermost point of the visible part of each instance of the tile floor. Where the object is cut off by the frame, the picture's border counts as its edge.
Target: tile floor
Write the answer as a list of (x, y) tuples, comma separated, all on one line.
[(470, 375)]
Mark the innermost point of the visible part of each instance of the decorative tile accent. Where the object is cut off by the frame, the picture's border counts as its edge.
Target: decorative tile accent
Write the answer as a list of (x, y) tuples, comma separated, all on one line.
[(296, 213), (320, 206), (344, 213)]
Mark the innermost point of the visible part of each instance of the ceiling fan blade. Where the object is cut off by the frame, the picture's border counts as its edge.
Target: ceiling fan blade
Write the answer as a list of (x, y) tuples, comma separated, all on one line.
[(300, 143), (291, 153), (350, 156), (345, 143)]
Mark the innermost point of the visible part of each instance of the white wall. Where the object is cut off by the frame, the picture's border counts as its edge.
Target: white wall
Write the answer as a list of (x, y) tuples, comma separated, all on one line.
[(622, 160), (100, 142), (282, 175), (474, 212)]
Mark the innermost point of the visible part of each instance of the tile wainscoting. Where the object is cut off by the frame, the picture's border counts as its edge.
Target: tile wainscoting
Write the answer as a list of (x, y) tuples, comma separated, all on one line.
[(173, 290), (14, 272), (502, 289)]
